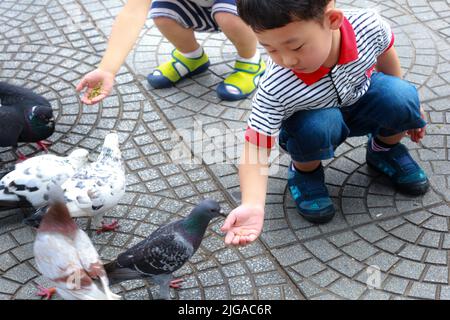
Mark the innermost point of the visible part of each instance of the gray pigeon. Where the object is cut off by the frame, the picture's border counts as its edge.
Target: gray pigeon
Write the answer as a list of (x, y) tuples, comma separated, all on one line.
[(24, 117), (165, 250)]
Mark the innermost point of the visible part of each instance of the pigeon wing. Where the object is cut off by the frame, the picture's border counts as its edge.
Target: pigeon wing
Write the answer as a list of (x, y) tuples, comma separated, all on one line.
[(13, 95), (30, 180), (55, 256), (163, 253), (93, 191), (10, 129), (89, 257)]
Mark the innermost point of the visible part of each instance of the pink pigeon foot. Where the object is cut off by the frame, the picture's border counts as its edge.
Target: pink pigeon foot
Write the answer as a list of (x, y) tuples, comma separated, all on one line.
[(43, 145), (46, 292), (108, 227), (175, 284), (21, 157)]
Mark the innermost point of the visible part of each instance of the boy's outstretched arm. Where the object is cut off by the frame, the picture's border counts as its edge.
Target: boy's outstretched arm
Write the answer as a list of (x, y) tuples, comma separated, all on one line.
[(244, 224), (125, 31)]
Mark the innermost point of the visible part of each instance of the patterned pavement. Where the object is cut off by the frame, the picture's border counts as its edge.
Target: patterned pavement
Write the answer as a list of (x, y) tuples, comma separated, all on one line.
[(397, 244)]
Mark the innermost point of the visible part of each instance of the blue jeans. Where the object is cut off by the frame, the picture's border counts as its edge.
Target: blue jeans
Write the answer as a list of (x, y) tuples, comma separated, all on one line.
[(390, 106)]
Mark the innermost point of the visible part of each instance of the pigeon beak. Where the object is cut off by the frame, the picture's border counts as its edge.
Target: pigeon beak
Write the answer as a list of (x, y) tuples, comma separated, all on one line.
[(223, 214)]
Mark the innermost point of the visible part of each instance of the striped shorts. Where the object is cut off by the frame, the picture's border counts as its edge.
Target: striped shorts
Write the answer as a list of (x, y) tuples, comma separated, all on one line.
[(191, 15)]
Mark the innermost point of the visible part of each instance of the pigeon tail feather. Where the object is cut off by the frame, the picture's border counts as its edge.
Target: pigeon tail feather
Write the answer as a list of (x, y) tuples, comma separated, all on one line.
[(117, 274)]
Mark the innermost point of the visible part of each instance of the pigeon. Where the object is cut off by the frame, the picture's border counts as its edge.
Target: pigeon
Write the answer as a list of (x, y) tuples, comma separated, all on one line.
[(65, 255), (165, 250), (96, 188), (27, 185), (24, 117)]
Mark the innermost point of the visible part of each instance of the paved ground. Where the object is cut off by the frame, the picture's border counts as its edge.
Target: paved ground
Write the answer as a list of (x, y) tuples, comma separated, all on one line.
[(47, 45)]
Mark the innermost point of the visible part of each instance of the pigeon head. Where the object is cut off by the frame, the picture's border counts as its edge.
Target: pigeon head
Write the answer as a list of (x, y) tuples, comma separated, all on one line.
[(57, 219), (208, 208), (41, 116), (78, 158), (197, 221), (110, 150), (41, 123)]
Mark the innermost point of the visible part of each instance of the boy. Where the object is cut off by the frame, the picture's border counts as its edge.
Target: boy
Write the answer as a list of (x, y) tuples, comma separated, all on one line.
[(318, 90), (177, 20)]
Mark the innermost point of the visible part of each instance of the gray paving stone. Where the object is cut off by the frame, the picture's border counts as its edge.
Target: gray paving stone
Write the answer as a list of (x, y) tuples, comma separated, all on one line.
[(21, 273), (322, 250), (396, 285), (6, 261), (240, 285), (437, 274), (359, 250), (210, 278), (346, 266), (412, 252), (6, 243), (290, 255), (423, 290), (347, 289), (308, 268), (437, 257), (409, 269), (260, 264)]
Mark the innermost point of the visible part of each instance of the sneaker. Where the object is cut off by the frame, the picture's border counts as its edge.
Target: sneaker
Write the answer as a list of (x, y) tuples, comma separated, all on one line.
[(400, 167), (311, 195), (245, 79), (167, 74)]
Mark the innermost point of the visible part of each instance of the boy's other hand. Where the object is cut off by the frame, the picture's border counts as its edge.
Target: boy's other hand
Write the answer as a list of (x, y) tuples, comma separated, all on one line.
[(417, 134), (98, 80), (243, 225)]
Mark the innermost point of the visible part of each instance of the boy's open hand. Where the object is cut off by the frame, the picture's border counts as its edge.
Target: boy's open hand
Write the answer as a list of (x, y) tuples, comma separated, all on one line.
[(99, 85), (243, 225), (417, 134)]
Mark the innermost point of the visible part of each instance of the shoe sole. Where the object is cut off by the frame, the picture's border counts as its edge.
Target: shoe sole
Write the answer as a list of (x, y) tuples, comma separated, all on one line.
[(170, 84), (416, 190), (319, 217)]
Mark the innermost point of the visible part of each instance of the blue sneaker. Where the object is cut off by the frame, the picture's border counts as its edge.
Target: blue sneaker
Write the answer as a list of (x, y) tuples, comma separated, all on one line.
[(311, 195), (400, 167)]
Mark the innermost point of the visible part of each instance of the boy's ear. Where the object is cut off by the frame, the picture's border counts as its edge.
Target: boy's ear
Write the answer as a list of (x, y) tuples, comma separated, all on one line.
[(335, 17)]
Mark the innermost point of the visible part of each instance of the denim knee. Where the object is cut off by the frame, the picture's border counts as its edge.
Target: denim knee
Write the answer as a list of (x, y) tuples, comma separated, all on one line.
[(398, 105), (313, 134)]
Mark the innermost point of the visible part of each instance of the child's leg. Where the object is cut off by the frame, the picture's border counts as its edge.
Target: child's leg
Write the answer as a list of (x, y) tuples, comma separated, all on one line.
[(249, 66), (309, 137), (182, 38), (178, 27), (389, 108), (238, 33)]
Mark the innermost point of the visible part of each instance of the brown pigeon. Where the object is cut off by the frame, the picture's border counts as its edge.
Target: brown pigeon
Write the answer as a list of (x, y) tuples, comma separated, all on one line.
[(65, 255)]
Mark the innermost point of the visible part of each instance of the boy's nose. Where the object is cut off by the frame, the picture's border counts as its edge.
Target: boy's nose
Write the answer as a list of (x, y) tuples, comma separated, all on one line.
[(290, 61)]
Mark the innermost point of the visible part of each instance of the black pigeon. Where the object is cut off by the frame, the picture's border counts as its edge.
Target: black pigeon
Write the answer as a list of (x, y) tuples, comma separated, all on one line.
[(24, 117), (165, 250)]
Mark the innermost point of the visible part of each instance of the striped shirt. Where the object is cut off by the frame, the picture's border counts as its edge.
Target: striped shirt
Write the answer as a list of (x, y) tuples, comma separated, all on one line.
[(282, 92), (203, 3)]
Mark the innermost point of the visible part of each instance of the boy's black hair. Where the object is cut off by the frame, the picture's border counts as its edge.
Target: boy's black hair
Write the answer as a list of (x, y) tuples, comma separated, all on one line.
[(263, 15)]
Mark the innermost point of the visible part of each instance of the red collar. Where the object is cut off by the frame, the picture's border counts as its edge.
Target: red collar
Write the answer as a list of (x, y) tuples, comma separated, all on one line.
[(348, 53)]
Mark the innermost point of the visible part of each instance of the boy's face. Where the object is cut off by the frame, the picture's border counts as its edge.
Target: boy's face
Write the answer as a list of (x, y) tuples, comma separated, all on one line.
[(303, 46)]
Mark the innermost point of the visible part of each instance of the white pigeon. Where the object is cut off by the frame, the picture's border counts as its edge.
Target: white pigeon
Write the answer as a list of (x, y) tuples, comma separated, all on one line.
[(96, 188), (65, 255), (27, 184)]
